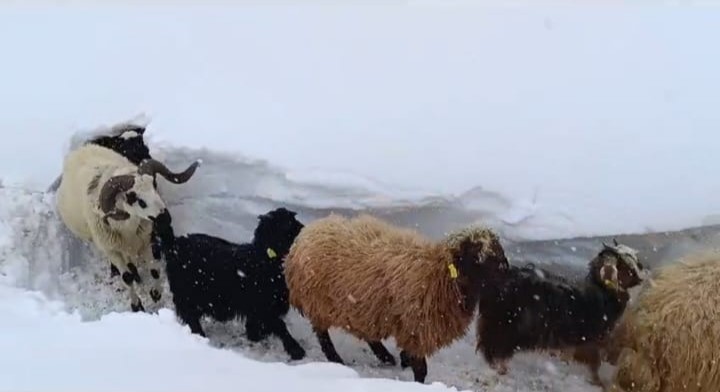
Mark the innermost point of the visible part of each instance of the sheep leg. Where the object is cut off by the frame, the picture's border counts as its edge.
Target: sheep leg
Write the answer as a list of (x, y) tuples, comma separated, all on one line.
[(192, 320), (635, 372), (291, 346), (381, 352), (497, 353), (195, 327), (404, 359), (419, 367), (590, 356), (155, 289), (130, 275), (255, 329), (327, 346)]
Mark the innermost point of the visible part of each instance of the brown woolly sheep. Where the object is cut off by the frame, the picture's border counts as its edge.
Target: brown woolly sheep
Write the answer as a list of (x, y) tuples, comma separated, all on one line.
[(376, 281), (670, 340)]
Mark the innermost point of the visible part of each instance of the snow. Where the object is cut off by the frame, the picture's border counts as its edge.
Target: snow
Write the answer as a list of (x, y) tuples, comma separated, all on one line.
[(544, 122), (47, 349)]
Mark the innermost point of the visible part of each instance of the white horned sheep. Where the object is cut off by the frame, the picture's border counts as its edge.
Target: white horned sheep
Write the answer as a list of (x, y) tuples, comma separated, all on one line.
[(106, 199), (670, 339)]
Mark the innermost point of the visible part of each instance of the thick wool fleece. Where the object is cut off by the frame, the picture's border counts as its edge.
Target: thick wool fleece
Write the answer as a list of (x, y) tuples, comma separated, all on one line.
[(376, 281), (670, 340)]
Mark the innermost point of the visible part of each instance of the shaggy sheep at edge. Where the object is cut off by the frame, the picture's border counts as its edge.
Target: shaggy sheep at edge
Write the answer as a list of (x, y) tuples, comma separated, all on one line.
[(535, 310), (209, 276), (670, 339), (109, 201), (377, 281)]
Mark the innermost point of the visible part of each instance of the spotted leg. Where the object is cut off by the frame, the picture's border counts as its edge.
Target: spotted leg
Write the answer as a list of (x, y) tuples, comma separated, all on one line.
[(130, 276), (155, 288)]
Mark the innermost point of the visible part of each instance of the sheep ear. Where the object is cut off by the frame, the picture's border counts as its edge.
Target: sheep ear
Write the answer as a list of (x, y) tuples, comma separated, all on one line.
[(607, 247)]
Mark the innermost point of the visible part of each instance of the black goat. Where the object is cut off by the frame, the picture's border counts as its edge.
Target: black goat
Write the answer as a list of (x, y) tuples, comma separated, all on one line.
[(534, 310), (209, 276)]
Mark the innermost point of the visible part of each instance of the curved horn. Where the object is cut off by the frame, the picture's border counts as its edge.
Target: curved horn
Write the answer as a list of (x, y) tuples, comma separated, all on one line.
[(615, 242), (111, 189), (153, 167)]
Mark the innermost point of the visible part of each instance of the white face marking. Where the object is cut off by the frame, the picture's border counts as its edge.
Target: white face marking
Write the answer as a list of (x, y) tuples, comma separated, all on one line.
[(148, 204), (129, 135), (629, 256)]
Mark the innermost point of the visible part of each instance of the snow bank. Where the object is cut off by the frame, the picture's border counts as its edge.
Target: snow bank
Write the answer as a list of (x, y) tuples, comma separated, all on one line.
[(47, 349)]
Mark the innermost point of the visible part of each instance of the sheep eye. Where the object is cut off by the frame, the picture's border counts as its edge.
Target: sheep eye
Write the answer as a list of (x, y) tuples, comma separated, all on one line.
[(131, 198)]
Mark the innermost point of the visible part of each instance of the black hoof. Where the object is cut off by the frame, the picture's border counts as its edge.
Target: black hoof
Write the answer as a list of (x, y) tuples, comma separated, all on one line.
[(296, 353), (388, 360), (155, 295), (336, 359)]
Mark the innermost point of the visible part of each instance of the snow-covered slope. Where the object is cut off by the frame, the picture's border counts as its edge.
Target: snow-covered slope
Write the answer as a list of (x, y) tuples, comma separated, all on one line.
[(47, 349)]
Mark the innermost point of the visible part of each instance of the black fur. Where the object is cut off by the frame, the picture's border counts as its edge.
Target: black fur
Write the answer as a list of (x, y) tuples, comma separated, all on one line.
[(134, 148), (209, 276), (533, 309)]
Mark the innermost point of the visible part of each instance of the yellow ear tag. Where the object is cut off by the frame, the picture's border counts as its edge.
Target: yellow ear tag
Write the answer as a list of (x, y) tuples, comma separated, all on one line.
[(271, 253), (610, 284), (453, 271)]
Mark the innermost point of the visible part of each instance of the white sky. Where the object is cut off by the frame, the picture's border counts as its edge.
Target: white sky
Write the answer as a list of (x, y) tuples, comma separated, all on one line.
[(599, 108)]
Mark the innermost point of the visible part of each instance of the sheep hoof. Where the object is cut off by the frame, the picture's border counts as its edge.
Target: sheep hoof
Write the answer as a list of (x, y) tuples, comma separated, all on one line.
[(155, 295), (335, 358), (296, 353), (389, 360), (382, 353)]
